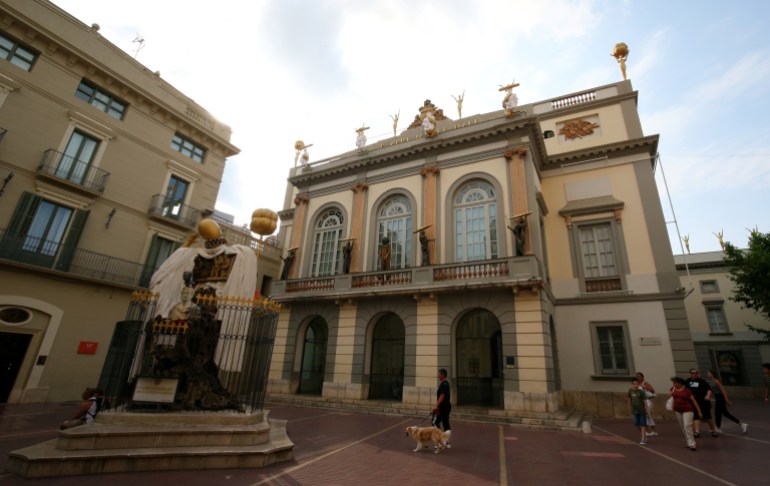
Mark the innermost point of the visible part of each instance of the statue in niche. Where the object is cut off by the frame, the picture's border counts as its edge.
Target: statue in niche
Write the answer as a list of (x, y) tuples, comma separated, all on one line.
[(424, 242), (287, 261), (385, 254), (347, 253), (519, 233)]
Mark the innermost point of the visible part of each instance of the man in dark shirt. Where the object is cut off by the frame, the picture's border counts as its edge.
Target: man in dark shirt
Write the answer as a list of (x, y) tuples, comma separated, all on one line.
[(443, 403), (702, 393)]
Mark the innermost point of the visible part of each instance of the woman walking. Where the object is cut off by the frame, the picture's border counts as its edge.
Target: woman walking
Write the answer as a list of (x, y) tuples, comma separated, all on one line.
[(722, 402), (684, 404)]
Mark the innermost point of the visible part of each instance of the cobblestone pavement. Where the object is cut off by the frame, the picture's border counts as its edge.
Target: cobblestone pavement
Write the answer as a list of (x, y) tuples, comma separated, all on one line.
[(350, 448)]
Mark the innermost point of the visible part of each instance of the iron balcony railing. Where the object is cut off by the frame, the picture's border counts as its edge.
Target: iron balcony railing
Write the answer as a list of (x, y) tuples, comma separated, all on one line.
[(518, 272), (72, 260), (59, 166), (169, 209)]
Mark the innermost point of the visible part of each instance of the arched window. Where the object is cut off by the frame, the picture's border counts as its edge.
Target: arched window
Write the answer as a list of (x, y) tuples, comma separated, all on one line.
[(326, 243), (475, 222), (395, 222)]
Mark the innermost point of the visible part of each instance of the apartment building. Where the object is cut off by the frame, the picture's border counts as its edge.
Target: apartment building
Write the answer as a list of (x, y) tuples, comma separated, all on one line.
[(720, 335), (524, 250), (105, 168)]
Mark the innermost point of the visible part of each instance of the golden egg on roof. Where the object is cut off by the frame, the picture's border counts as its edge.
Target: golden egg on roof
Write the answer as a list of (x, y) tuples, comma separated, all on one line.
[(209, 229), (299, 145), (264, 221)]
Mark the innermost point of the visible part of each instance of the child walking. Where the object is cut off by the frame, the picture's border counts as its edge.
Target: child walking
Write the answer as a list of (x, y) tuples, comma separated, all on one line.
[(636, 407)]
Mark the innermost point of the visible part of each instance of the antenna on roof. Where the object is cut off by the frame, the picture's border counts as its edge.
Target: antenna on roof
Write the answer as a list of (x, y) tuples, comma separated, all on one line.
[(140, 44)]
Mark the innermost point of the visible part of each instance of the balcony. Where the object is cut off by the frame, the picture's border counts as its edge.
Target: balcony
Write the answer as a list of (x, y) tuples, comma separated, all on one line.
[(172, 211), (515, 273), (72, 173), (67, 259)]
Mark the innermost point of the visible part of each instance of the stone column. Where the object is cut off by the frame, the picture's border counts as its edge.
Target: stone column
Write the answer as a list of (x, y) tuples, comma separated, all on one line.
[(300, 214), (429, 189), (534, 355), (342, 385), (357, 224), (428, 335), (518, 185)]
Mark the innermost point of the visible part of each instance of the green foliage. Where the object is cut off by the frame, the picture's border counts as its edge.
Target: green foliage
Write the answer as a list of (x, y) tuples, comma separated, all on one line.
[(750, 272)]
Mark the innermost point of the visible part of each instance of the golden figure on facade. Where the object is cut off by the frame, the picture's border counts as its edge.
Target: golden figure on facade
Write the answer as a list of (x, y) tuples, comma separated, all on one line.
[(459, 100), (395, 121), (720, 236), (620, 53), (511, 101)]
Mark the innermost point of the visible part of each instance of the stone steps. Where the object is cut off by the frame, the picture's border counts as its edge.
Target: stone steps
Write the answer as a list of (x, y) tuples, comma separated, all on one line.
[(560, 420), (123, 442)]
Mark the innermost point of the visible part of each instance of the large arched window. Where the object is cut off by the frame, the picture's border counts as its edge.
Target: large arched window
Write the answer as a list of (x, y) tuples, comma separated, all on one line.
[(475, 222), (326, 243), (395, 222)]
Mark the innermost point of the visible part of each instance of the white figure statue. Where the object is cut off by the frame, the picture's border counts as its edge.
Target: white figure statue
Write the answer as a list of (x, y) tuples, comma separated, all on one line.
[(361, 139), (429, 124), (510, 102)]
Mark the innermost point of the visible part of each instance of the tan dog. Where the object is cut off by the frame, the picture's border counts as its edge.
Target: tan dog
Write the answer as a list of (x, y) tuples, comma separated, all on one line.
[(425, 435)]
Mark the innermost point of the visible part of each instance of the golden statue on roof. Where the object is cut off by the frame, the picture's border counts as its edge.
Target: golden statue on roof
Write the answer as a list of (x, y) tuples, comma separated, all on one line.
[(620, 53)]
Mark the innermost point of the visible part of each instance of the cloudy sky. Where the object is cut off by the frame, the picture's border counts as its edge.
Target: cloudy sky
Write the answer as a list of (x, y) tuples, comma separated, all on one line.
[(281, 70)]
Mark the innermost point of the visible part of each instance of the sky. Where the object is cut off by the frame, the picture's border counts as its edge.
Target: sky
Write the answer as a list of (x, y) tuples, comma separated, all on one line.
[(277, 71)]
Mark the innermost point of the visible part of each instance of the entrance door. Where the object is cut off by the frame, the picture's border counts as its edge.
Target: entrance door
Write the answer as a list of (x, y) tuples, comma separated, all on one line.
[(13, 348), (479, 360), (386, 380), (313, 358)]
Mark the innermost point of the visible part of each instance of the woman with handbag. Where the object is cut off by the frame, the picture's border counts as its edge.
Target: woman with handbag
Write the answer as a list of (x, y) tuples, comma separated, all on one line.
[(684, 405)]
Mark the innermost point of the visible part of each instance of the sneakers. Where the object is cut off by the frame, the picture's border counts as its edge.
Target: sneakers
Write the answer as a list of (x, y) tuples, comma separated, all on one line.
[(642, 442), (719, 431), (714, 433), (696, 434), (652, 434), (744, 427)]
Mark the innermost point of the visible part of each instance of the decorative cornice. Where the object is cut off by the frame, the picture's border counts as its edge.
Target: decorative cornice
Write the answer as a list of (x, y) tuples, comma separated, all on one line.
[(430, 169)]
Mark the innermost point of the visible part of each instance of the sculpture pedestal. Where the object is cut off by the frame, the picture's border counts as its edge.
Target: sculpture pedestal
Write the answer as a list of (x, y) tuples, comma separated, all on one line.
[(121, 441)]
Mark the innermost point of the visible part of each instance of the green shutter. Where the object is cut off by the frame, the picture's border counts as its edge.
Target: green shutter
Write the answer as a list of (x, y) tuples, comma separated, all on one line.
[(71, 241), (13, 237)]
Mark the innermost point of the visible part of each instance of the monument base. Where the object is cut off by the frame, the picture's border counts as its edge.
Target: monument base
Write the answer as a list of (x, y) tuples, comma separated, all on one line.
[(121, 441)]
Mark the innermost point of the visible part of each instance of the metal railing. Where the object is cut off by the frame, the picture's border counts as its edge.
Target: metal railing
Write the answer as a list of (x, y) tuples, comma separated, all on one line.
[(58, 256), (217, 361), (169, 209), (65, 168)]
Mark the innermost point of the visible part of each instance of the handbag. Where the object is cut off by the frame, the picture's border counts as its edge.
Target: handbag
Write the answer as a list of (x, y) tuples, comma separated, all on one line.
[(670, 404)]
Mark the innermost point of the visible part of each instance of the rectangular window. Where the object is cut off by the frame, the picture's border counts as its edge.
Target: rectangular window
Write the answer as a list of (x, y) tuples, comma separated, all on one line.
[(716, 317), (188, 148), (611, 348), (16, 53), (46, 232), (176, 192), (101, 100), (77, 158), (709, 287), (598, 259)]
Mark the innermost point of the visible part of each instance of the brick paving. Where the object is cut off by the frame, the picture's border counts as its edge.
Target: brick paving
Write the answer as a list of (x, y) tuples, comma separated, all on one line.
[(350, 448)]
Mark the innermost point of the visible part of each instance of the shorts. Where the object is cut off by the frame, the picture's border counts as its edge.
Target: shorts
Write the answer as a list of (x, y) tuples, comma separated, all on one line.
[(705, 408), (640, 420)]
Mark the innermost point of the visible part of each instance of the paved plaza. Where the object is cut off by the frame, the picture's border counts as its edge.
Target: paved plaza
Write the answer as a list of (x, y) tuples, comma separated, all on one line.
[(336, 447)]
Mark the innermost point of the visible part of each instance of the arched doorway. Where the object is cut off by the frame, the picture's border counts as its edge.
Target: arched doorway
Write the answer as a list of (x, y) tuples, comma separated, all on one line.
[(479, 360), (386, 379), (311, 377)]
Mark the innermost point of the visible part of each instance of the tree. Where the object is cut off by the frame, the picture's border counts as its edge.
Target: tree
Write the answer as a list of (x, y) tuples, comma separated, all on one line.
[(750, 272)]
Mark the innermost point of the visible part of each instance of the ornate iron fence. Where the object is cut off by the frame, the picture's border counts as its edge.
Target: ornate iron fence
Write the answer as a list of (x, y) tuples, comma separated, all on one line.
[(217, 361)]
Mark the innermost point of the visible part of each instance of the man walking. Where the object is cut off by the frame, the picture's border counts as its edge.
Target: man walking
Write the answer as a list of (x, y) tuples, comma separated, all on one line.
[(443, 403), (702, 393)]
